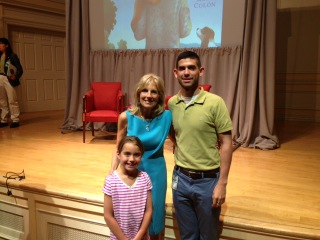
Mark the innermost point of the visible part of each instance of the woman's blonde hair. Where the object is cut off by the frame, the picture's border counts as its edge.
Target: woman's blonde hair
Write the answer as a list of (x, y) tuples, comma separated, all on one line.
[(146, 80)]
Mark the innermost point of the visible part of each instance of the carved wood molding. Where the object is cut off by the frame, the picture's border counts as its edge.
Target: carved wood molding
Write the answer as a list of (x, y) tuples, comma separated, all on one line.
[(56, 6), (20, 14)]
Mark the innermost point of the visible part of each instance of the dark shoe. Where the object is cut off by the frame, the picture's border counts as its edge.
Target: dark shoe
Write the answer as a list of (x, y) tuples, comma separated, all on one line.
[(3, 124), (14, 125)]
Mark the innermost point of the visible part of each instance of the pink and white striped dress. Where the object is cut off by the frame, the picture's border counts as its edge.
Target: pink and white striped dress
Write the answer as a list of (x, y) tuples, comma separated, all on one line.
[(129, 202)]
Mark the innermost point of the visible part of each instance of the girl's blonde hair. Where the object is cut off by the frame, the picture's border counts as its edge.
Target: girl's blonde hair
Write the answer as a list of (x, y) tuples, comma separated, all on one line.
[(145, 81)]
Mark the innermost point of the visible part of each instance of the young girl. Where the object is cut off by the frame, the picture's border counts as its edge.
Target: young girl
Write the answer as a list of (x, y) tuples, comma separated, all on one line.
[(127, 199)]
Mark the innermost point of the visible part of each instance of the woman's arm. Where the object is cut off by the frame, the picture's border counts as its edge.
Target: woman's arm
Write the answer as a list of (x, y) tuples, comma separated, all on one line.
[(138, 9), (15, 61), (121, 133), (110, 220)]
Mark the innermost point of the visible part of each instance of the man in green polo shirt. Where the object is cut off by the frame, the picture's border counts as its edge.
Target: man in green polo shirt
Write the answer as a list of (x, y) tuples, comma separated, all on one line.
[(200, 121)]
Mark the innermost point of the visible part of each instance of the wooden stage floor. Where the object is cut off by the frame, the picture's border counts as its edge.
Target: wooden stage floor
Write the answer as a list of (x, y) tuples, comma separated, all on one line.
[(276, 191)]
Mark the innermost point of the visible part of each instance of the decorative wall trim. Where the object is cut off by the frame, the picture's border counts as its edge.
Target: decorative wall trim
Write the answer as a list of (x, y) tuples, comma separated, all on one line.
[(298, 97), (55, 7)]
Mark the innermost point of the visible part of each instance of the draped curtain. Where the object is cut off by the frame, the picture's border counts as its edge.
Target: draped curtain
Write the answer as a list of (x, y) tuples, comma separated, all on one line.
[(243, 75), (78, 51), (221, 68), (254, 126)]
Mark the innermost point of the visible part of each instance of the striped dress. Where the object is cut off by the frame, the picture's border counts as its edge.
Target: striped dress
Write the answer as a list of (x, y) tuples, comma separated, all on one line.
[(129, 202)]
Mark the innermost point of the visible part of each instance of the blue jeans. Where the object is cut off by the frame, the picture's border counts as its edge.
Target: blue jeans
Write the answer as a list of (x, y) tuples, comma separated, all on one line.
[(192, 200)]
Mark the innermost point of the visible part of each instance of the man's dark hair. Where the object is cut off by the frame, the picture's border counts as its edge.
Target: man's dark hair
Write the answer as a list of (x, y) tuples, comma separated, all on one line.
[(189, 54)]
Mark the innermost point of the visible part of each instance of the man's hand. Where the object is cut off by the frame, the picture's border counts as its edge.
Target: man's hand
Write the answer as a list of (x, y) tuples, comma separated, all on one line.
[(219, 195)]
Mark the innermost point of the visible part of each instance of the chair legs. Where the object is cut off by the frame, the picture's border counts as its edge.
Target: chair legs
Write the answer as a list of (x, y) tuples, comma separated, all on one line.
[(92, 128), (84, 132)]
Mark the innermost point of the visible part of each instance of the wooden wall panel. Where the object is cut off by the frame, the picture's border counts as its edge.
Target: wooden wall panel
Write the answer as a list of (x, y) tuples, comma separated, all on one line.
[(298, 97)]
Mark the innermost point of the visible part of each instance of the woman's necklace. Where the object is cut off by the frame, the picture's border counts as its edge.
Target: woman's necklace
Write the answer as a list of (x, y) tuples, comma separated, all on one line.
[(148, 122), (147, 118)]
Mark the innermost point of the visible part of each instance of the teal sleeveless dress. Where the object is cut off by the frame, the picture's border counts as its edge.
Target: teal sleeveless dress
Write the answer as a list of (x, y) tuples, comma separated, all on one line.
[(153, 135)]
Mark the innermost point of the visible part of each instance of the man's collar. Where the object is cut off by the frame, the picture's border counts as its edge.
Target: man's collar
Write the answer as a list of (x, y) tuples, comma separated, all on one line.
[(199, 99)]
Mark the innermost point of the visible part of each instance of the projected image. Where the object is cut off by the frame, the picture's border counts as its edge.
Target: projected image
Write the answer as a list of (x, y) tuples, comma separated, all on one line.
[(153, 24)]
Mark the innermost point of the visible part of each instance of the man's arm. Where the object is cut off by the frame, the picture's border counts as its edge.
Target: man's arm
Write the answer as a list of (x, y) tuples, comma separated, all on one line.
[(226, 150), (172, 137)]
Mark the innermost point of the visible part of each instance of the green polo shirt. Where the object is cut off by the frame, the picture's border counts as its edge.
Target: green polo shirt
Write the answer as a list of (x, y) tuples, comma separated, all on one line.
[(196, 126)]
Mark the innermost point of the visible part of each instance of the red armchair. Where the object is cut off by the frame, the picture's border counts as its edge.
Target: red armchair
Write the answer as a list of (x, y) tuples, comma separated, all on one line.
[(102, 103), (206, 87)]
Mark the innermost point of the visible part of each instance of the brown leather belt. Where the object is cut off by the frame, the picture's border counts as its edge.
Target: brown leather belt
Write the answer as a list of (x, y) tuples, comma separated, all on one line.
[(195, 174)]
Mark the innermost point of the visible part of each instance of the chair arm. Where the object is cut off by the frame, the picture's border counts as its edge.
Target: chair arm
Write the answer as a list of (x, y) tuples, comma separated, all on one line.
[(88, 103), (120, 104)]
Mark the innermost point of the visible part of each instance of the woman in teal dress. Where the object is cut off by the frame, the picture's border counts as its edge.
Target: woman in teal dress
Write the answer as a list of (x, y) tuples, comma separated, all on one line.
[(150, 122)]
